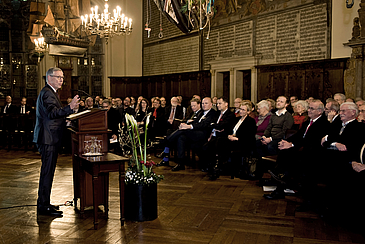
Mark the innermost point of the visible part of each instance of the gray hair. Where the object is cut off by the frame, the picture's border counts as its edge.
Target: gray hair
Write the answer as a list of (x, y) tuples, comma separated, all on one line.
[(51, 71), (303, 103), (263, 104), (352, 106), (320, 104), (107, 101), (343, 97)]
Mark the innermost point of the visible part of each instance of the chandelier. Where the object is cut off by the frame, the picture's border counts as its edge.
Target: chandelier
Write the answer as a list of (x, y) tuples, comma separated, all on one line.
[(40, 47), (105, 24)]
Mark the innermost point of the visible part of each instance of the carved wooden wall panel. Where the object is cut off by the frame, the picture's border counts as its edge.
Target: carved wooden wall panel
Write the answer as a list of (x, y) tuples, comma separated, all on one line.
[(319, 79), (185, 84)]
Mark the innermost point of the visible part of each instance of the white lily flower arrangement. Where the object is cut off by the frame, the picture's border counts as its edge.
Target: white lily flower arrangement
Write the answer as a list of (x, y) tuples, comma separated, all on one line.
[(140, 169)]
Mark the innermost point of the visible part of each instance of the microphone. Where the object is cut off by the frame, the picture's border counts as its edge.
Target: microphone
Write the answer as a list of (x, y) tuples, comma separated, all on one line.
[(87, 94)]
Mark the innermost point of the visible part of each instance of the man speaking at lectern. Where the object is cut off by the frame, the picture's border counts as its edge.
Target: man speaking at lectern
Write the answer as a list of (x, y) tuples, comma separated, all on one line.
[(50, 123)]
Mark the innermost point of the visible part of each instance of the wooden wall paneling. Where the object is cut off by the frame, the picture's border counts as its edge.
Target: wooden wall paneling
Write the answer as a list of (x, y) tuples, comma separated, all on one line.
[(246, 84), (158, 85), (334, 78), (314, 80), (265, 77), (163, 87), (168, 87), (205, 85), (296, 81), (279, 82), (175, 85)]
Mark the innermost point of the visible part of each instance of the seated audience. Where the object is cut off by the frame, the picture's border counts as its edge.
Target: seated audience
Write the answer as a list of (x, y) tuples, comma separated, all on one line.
[(195, 133), (272, 104), (220, 128), (279, 123), (360, 102), (343, 146), (173, 115), (133, 102), (195, 115), (89, 103), (239, 142), (340, 98), (24, 108), (9, 108), (295, 162), (262, 120), (332, 112), (300, 115), (142, 111), (293, 100), (113, 118), (361, 116), (157, 119), (237, 103)]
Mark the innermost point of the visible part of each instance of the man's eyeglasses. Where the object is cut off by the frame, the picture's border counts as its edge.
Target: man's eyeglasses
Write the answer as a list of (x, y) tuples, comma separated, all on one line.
[(58, 76), (311, 108), (362, 111)]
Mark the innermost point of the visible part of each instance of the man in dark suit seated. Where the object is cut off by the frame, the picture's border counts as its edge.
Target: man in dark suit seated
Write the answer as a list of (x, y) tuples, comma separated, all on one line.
[(195, 133), (174, 114), (296, 157), (343, 148), (220, 128), (24, 108), (9, 108), (332, 111), (195, 115), (50, 124)]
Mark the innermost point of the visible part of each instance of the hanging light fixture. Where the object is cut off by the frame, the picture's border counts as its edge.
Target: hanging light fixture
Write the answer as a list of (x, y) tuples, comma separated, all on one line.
[(105, 24)]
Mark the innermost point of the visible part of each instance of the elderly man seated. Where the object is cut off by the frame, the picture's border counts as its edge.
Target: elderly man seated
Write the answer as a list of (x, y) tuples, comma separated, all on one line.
[(343, 146), (196, 132)]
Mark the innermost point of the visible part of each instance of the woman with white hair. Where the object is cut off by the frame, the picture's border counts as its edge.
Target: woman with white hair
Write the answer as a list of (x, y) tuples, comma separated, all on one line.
[(262, 120), (300, 114)]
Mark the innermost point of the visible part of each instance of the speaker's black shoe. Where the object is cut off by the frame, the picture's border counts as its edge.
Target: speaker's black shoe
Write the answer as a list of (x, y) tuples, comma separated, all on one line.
[(178, 167), (55, 207), (50, 211)]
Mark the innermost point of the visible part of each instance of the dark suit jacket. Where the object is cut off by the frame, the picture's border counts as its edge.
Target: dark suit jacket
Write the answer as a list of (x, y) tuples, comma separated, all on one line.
[(336, 124), (50, 118), (11, 110), (178, 112), (113, 120), (203, 123), (314, 135), (193, 116), (245, 133), (225, 123), (27, 109), (353, 137), (123, 111)]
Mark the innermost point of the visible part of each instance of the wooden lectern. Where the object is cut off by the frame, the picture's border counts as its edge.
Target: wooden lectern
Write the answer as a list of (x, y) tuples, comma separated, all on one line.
[(87, 124)]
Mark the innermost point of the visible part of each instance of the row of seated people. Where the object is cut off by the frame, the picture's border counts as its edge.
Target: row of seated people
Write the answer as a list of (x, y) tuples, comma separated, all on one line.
[(325, 148), (16, 124)]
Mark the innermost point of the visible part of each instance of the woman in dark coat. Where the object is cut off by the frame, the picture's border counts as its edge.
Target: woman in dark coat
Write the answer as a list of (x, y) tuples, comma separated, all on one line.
[(157, 122), (241, 141)]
